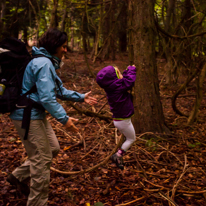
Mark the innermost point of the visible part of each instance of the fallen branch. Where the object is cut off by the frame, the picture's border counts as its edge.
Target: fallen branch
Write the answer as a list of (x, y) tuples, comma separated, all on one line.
[(133, 201), (91, 168), (180, 178), (90, 113), (162, 194), (192, 192), (98, 112), (107, 158), (139, 165), (151, 133), (82, 141)]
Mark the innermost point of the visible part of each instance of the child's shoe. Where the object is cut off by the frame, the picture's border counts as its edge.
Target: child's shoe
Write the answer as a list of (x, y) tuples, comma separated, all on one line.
[(118, 160)]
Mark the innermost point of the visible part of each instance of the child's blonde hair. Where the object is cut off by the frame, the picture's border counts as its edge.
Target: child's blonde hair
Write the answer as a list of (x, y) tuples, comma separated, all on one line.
[(115, 67)]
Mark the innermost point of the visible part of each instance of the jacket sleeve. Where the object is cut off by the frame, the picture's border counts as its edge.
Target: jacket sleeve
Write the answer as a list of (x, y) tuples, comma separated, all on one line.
[(68, 94), (129, 77), (45, 83)]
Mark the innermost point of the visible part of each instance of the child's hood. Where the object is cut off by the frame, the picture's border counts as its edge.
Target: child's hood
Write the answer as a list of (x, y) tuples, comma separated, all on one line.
[(106, 77)]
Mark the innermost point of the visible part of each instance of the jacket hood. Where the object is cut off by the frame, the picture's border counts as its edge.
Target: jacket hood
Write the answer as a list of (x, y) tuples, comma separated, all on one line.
[(40, 51), (43, 51), (106, 77)]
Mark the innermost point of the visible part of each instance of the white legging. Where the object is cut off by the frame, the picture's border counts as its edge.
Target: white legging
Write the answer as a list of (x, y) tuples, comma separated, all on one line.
[(127, 129)]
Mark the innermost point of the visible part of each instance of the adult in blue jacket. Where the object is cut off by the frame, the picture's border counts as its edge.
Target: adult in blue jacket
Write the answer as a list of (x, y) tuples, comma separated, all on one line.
[(41, 144)]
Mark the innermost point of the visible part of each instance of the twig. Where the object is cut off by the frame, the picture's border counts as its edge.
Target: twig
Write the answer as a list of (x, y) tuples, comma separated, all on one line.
[(162, 187), (140, 165), (91, 168), (158, 145), (117, 138), (180, 178), (192, 192), (67, 134), (162, 194), (129, 203), (82, 140), (90, 113), (147, 154), (89, 151), (98, 112)]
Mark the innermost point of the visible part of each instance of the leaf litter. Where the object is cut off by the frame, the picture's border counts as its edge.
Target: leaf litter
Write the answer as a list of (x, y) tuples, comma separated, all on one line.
[(160, 170)]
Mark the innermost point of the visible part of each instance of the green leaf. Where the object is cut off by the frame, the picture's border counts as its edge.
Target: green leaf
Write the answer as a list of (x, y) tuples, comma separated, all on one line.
[(191, 145), (98, 204)]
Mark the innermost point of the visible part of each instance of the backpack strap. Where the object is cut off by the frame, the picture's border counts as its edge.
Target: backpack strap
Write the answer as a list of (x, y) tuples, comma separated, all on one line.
[(27, 115), (58, 85)]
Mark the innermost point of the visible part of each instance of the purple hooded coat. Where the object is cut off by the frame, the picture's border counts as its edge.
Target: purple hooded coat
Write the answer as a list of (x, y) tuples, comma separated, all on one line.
[(120, 100)]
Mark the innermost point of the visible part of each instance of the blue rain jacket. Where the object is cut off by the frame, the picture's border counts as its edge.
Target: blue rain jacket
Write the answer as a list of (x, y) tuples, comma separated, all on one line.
[(41, 71)]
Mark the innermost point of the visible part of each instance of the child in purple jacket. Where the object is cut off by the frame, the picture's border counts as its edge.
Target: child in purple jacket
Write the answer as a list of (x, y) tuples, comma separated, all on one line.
[(116, 86)]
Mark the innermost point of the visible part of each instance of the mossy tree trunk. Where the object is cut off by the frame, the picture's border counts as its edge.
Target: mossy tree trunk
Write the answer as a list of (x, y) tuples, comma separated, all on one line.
[(148, 108)]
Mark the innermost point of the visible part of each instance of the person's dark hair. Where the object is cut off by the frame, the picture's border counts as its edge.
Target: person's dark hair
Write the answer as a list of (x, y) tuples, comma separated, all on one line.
[(52, 39)]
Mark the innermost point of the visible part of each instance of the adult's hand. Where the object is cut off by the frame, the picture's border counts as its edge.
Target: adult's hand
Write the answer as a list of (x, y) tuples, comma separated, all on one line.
[(89, 100), (70, 125)]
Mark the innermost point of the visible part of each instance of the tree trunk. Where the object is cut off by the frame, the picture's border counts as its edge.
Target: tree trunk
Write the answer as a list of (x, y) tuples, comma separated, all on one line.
[(123, 41), (109, 32), (2, 12), (113, 34), (170, 11), (187, 25), (123, 31), (54, 21), (64, 20), (167, 43), (83, 32), (72, 31), (98, 32), (148, 108), (25, 36), (194, 113), (130, 33)]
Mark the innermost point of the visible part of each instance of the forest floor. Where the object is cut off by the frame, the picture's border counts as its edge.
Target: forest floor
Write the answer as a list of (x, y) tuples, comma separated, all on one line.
[(160, 170)]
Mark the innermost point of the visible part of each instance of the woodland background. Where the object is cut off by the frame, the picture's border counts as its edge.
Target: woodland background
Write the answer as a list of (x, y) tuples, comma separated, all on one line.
[(166, 41)]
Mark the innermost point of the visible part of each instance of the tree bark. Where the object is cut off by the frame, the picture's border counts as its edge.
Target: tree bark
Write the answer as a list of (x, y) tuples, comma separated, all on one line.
[(25, 36), (130, 33), (194, 113), (83, 32), (54, 21), (187, 25), (113, 35), (64, 20), (148, 108), (167, 44), (109, 32), (2, 12), (123, 31)]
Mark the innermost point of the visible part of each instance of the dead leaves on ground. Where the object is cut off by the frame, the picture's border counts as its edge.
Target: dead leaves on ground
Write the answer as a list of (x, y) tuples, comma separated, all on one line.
[(160, 170)]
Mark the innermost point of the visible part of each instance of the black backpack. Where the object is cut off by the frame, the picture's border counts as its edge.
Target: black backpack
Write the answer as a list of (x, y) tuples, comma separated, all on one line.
[(14, 58)]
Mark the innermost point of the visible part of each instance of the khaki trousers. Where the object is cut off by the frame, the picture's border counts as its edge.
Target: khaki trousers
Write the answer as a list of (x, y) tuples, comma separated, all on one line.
[(41, 146)]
